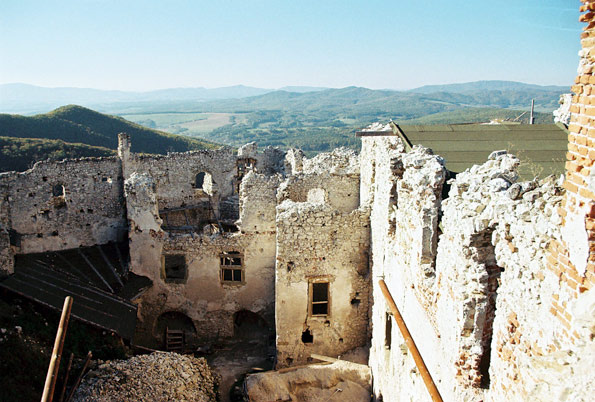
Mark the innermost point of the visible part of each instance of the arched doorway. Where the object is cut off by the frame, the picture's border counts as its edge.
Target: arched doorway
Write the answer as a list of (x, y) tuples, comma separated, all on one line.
[(249, 325), (175, 331)]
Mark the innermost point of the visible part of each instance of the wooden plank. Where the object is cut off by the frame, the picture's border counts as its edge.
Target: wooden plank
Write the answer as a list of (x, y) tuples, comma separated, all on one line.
[(109, 264), (95, 270)]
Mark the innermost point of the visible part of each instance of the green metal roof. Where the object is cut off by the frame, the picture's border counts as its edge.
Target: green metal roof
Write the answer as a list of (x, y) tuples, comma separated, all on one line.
[(540, 147)]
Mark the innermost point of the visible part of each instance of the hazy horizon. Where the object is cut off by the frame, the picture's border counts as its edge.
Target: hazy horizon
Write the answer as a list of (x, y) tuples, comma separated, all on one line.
[(379, 44), (271, 89)]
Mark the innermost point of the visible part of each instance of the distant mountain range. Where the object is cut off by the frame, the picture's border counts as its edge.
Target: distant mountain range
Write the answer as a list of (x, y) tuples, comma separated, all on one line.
[(30, 99), (488, 86), (27, 99), (74, 131), (314, 119)]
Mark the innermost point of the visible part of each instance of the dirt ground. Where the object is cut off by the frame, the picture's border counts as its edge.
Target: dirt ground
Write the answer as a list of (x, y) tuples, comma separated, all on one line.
[(251, 350)]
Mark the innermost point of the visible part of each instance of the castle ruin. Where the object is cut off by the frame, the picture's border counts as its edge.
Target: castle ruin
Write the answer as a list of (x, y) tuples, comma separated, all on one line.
[(494, 280)]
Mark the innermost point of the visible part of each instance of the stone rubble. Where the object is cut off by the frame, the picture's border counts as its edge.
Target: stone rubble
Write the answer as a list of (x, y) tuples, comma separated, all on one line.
[(157, 377)]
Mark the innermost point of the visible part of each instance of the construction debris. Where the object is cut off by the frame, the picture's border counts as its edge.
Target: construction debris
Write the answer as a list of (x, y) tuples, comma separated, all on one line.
[(160, 376)]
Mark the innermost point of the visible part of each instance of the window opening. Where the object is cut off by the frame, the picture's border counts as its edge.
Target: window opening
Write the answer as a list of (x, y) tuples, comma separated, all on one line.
[(307, 336), (199, 180), (58, 190), (243, 166), (319, 298), (174, 268), (232, 270), (204, 181), (388, 331)]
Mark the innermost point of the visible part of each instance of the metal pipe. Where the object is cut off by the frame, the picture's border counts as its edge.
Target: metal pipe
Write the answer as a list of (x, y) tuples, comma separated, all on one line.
[(419, 362), (50, 380)]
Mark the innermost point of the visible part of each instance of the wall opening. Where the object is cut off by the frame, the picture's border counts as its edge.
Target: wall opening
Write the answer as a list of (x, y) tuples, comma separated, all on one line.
[(388, 331), (319, 298), (175, 330), (58, 190), (307, 336), (59, 195), (174, 268), (232, 268), (494, 272), (244, 165), (247, 324), (480, 327), (204, 181), (188, 219)]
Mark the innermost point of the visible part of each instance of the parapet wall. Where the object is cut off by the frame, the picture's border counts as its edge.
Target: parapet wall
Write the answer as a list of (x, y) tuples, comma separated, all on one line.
[(473, 289)]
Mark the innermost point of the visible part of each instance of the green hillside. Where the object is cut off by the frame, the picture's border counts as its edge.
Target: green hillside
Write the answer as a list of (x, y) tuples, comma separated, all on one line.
[(77, 124), (74, 131), (479, 115), (319, 121), (21, 153)]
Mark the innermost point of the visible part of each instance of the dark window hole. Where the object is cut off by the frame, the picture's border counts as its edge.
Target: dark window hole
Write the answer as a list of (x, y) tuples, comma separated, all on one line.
[(307, 336)]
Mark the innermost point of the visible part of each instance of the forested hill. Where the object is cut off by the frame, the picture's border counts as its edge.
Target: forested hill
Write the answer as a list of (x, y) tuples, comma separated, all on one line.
[(492, 85), (400, 105), (74, 131)]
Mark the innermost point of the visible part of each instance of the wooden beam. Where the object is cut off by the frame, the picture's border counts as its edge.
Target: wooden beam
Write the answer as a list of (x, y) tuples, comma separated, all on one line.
[(419, 362), (54, 367)]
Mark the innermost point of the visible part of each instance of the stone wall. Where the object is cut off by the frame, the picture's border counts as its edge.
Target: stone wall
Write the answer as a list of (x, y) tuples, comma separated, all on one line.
[(404, 193), (316, 243), (61, 205), (322, 243), (202, 293), (479, 304)]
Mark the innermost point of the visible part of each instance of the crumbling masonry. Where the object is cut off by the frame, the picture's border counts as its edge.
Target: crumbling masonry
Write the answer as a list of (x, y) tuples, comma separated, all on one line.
[(494, 280)]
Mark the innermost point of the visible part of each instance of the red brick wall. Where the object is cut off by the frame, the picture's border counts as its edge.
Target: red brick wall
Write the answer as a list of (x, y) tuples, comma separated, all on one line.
[(579, 198)]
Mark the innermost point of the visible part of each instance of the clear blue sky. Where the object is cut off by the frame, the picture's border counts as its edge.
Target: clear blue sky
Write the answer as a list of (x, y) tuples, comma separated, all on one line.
[(400, 44)]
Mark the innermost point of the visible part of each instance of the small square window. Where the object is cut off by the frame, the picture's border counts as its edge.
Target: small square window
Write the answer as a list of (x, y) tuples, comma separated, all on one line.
[(174, 268), (319, 299), (232, 269)]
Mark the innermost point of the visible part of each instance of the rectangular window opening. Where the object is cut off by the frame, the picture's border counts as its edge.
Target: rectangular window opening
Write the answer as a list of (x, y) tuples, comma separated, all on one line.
[(319, 299), (232, 269), (174, 268)]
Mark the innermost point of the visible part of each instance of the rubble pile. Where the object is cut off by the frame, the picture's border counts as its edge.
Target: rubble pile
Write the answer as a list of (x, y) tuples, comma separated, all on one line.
[(160, 376)]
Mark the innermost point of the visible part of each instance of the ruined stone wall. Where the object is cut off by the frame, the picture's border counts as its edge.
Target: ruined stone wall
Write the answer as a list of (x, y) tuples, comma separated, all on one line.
[(201, 294), (322, 240), (202, 297), (175, 176), (404, 193), (340, 191), (258, 202), (494, 292), (478, 305), (318, 244), (62, 205)]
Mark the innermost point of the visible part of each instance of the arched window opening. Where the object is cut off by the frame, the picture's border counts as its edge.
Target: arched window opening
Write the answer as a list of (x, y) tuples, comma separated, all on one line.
[(204, 181)]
